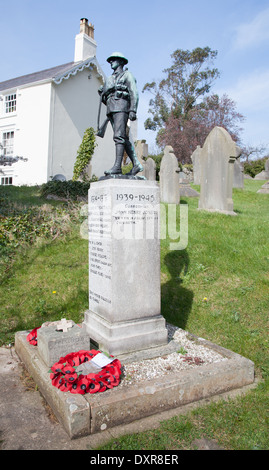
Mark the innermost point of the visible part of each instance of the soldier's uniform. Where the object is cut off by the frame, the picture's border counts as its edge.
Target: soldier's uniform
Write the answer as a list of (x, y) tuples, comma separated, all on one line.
[(120, 96)]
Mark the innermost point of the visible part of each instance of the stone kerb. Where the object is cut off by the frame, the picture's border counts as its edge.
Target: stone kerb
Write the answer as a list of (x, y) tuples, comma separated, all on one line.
[(169, 177), (217, 167)]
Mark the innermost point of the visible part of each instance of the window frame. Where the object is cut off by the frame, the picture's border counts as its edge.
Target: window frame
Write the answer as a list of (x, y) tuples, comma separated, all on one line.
[(10, 103), (6, 180), (9, 140)]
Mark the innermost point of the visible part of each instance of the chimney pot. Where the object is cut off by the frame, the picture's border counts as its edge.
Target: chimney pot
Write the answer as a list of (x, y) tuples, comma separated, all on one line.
[(86, 28), (85, 45)]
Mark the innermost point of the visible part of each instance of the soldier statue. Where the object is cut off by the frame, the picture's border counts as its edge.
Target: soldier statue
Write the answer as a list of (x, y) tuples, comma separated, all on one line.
[(119, 94)]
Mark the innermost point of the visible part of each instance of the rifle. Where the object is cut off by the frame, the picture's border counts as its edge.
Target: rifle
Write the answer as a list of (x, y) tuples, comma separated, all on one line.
[(101, 130)]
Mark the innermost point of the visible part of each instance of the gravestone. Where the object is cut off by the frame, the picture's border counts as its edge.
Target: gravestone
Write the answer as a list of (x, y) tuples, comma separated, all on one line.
[(218, 155), (238, 179), (264, 189), (124, 266), (196, 162), (150, 169), (185, 188), (59, 338), (263, 175), (141, 148), (169, 177)]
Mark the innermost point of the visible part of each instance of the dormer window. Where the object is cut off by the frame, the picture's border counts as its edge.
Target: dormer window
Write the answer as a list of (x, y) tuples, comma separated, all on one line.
[(10, 103)]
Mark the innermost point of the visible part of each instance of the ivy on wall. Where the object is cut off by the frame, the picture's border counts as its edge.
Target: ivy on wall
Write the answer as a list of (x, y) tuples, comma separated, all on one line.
[(84, 155)]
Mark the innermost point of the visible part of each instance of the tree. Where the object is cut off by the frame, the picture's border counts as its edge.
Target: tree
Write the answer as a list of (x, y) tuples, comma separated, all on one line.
[(212, 111), (188, 78), (180, 111), (250, 152)]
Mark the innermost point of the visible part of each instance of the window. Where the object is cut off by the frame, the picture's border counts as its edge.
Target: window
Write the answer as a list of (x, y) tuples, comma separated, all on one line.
[(10, 103), (6, 181), (8, 143)]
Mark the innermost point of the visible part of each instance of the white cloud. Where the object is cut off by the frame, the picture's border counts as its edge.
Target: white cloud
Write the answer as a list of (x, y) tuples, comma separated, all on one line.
[(254, 32)]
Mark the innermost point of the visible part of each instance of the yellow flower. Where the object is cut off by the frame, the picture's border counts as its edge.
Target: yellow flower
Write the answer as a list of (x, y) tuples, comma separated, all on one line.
[(54, 291), (205, 299)]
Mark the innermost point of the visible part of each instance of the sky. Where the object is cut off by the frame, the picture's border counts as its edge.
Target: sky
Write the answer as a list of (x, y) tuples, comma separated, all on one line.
[(35, 35)]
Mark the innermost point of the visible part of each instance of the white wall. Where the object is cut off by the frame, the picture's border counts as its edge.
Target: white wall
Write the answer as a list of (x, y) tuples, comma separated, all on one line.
[(49, 125), (74, 108), (31, 134)]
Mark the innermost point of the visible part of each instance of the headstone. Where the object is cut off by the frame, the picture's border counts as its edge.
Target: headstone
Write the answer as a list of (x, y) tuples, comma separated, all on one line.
[(59, 338), (185, 188), (124, 266), (264, 189), (238, 179), (196, 162), (150, 169), (263, 175), (169, 177), (141, 148), (218, 155)]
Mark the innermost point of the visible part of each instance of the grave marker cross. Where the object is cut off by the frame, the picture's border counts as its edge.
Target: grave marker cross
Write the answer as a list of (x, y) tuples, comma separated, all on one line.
[(64, 325)]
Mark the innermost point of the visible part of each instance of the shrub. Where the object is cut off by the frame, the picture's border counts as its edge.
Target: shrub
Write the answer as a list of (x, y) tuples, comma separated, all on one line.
[(65, 189), (26, 226), (254, 167)]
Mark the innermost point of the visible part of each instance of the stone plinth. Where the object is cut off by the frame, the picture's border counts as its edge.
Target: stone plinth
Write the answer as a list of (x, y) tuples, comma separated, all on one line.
[(124, 266)]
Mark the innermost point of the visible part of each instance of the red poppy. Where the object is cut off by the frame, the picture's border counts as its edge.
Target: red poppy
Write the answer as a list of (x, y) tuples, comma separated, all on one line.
[(75, 361), (67, 369), (57, 368), (71, 377), (94, 386), (56, 380), (32, 336), (82, 385), (65, 386)]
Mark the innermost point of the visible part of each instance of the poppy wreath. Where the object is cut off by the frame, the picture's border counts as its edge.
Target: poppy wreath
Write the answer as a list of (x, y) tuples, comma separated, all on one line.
[(32, 336), (65, 377)]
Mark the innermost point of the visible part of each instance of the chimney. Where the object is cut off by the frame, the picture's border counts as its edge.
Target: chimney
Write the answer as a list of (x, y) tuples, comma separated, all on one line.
[(85, 45)]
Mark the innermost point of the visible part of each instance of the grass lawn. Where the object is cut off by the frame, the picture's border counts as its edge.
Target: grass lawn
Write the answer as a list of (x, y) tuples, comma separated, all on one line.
[(216, 288)]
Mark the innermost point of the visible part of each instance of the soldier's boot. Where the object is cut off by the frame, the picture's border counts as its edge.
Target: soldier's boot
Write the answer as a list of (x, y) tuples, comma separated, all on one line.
[(137, 167), (116, 169)]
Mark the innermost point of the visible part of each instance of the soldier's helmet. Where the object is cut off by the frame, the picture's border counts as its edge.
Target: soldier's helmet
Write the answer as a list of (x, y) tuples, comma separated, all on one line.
[(117, 55)]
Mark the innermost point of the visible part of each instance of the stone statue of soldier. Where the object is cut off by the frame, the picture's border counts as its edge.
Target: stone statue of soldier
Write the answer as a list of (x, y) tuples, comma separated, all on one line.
[(119, 94)]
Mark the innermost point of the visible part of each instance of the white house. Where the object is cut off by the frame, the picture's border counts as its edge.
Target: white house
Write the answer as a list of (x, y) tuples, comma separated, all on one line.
[(43, 117)]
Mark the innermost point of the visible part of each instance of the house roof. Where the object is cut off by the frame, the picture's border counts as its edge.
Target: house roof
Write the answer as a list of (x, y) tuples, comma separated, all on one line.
[(56, 74)]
